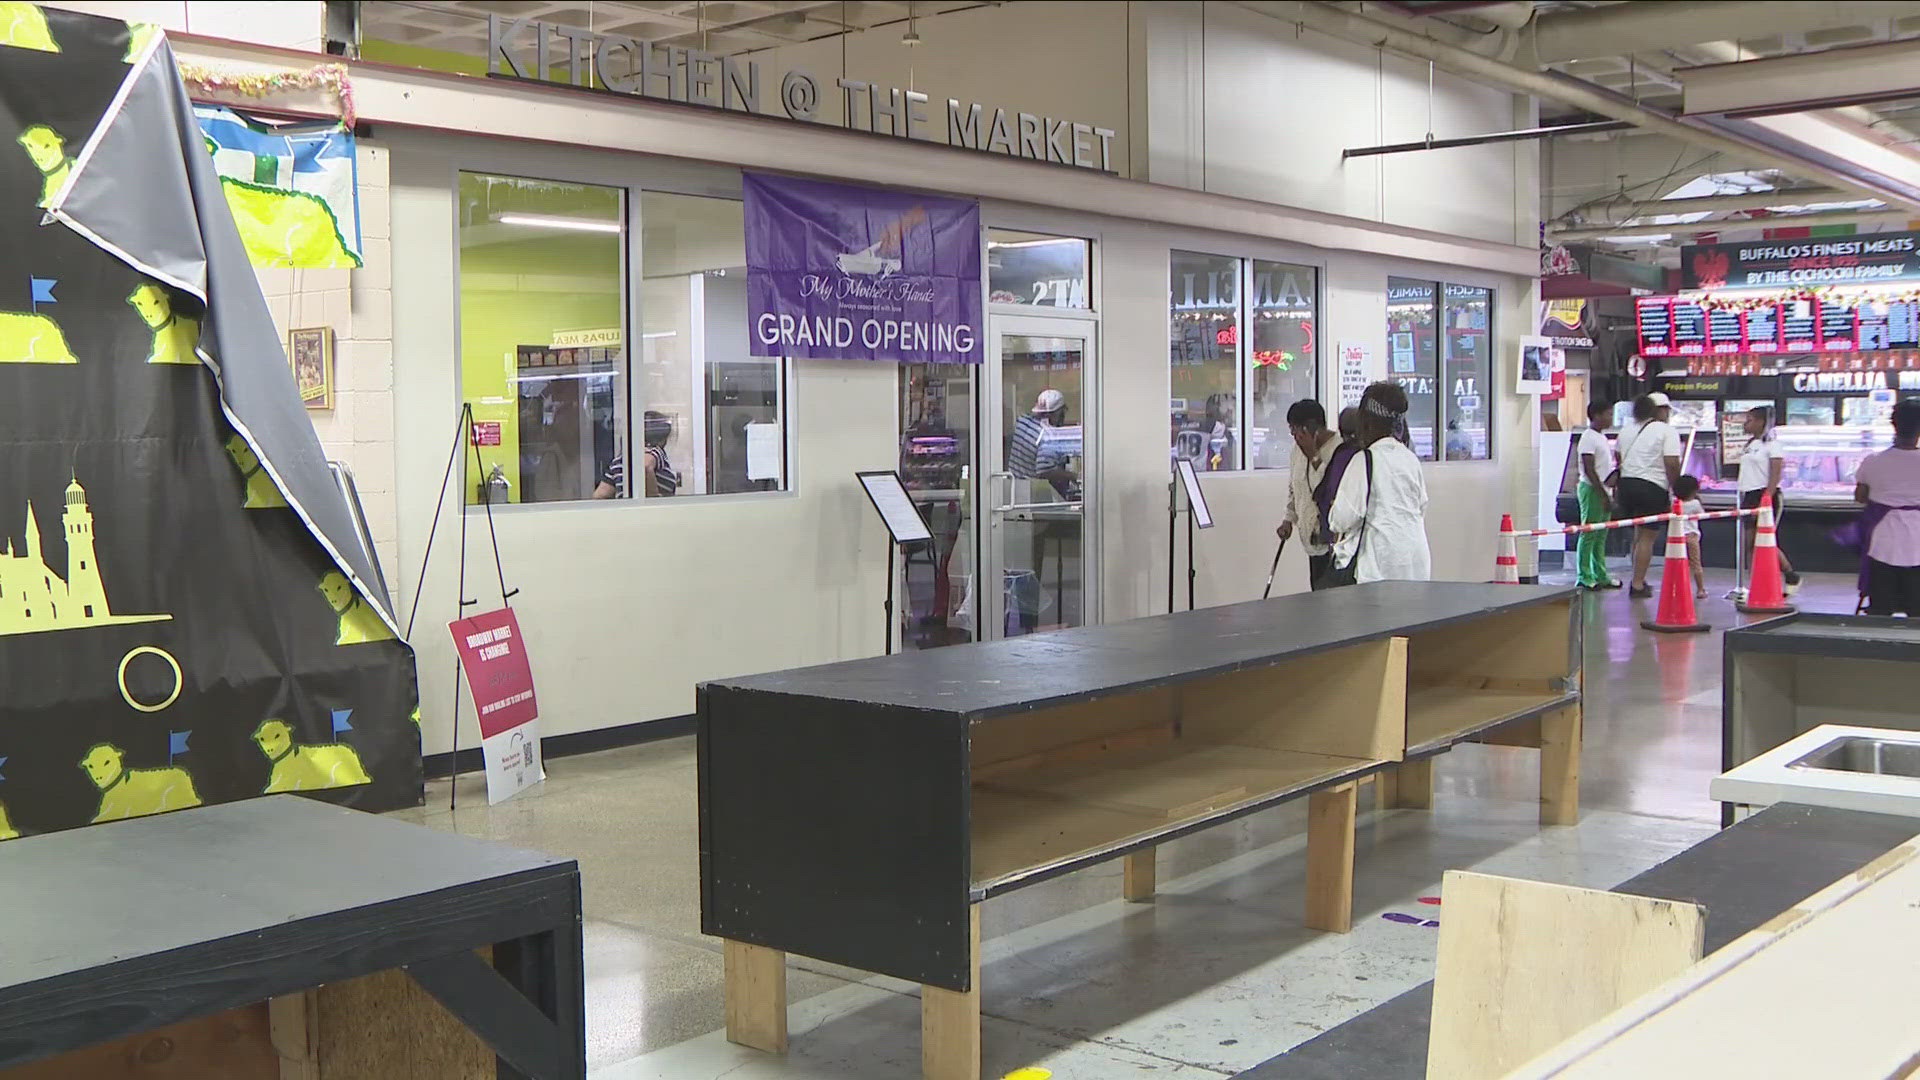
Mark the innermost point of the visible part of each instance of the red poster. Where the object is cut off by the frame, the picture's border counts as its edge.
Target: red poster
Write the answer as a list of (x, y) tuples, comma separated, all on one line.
[(486, 433), (495, 659)]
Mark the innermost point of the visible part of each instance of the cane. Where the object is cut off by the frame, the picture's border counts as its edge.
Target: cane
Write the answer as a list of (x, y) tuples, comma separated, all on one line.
[(1268, 591)]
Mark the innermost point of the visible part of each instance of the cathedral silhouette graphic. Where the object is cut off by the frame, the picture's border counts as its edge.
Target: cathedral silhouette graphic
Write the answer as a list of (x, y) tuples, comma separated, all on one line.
[(33, 599)]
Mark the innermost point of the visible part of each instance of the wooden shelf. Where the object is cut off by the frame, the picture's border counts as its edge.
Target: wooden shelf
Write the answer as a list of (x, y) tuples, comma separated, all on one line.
[(1046, 816), (1439, 715)]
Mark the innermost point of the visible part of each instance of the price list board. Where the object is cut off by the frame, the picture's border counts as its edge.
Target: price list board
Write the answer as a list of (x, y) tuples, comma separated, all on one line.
[(1763, 328), (1799, 326), (1726, 332), (1903, 324), (1839, 324), (1870, 326), (1689, 328), (1654, 316)]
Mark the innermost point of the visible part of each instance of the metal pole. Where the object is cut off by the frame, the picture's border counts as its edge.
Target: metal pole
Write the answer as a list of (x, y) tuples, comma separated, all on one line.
[(1173, 553), (889, 604), (1191, 573)]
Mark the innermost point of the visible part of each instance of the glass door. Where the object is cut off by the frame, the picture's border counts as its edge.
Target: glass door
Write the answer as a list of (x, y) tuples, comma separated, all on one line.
[(1035, 455)]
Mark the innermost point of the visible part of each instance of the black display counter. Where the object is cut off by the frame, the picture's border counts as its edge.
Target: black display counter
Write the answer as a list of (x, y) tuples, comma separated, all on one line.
[(1805, 533), (859, 812), (125, 927), (1786, 676)]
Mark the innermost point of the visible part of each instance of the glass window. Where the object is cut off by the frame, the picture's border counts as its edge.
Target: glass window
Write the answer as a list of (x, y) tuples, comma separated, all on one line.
[(543, 340), (1412, 355), (1284, 356), (714, 419), (936, 445), (1037, 270), (1468, 373), (1204, 357)]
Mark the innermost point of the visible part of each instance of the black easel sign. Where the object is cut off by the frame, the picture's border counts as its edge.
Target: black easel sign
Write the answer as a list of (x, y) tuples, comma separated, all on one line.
[(904, 524), (1196, 499), (896, 507)]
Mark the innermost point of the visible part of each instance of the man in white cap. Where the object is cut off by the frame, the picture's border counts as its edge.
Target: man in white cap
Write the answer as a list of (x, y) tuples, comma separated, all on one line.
[(1649, 468), (1029, 457)]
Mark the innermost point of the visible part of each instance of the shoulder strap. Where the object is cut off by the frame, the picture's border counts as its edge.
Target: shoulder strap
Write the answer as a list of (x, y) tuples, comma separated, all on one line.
[(1366, 510)]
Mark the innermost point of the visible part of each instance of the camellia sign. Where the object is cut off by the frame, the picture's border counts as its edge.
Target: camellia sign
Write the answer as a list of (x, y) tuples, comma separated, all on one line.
[(519, 47)]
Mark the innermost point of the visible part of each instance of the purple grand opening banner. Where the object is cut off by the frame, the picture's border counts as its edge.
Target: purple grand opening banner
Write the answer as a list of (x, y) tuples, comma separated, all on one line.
[(843, 272)]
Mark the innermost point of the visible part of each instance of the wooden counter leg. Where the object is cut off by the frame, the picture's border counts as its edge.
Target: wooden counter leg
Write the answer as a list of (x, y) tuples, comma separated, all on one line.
[(1411, 787), (756, 996), (1330, 817), (293, 1023), (1138, 885), (1560, 767), (950, 1022)]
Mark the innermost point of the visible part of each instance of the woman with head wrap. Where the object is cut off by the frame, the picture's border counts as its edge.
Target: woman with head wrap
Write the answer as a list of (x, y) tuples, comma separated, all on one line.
[(1380, 509)]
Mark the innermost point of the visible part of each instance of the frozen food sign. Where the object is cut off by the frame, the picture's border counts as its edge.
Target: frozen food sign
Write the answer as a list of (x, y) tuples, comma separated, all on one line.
[(526, 48), (838, 271)]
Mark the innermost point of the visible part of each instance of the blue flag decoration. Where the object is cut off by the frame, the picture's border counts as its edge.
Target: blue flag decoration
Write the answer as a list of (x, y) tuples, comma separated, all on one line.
[(42, 291), (3, 761), (177, 743), (340, 725)]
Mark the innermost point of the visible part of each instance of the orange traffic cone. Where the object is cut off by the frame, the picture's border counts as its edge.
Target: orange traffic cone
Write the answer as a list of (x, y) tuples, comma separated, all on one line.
[(1676, 614), (1506, 563), (1766, 594)]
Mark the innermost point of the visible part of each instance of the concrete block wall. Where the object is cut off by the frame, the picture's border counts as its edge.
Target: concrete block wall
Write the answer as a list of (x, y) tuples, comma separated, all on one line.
[(358, 306)]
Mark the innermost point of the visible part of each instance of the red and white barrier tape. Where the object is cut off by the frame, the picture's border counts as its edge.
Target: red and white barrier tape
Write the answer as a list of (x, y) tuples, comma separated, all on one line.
[(1621, 523)]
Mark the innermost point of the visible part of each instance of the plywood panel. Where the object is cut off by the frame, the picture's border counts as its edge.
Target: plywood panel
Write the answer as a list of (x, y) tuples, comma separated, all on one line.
[(1524, 964), (1529, 644), (1824, 990), (1018, 735), (232, 1045), (1440, 712), (1348, 702), (384, 1027), (1041, 816)]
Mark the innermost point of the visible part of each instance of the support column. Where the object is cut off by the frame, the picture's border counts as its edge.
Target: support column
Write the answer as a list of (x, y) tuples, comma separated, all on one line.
[(756, 980), (1560, 766), (950, 1020), (1330, 816), (1139, 876)]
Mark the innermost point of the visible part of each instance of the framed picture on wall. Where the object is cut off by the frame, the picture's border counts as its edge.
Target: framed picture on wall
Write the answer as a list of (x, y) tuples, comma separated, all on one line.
[(311, 354)]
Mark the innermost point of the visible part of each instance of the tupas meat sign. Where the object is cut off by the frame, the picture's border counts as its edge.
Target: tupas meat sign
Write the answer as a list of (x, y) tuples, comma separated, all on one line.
[(521, 48), (1840, 260)]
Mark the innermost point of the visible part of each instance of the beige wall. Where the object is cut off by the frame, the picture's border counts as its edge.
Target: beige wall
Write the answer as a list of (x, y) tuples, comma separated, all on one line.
[(1066, 60)]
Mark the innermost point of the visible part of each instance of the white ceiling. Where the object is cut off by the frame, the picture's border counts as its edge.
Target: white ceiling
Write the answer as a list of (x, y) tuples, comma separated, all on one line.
[(724, 27)]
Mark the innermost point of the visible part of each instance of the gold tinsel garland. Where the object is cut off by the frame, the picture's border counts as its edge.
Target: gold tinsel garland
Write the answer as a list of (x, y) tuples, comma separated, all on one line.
[(331, 77)]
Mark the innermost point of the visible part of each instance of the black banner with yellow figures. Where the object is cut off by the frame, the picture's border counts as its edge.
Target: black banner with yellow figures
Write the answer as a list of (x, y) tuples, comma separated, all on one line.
[(174, 630)]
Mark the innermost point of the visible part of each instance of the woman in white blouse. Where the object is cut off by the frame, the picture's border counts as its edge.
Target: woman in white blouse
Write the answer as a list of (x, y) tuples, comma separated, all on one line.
[(1382, 503)]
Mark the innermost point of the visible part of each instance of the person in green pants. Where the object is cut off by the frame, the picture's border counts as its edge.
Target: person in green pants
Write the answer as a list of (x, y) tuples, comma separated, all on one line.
[(1596, 471)]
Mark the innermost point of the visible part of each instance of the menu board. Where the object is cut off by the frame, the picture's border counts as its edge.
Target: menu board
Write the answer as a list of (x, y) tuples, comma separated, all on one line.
[(1838, 325), (1870, 326), (1725, 334), (1799, 326), (1903, 324), (1763, 328), (1689, 328), (1654, 314)]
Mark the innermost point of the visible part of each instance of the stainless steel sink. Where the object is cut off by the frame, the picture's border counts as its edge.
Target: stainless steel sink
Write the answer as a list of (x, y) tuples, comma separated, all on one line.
[(1859, 754)]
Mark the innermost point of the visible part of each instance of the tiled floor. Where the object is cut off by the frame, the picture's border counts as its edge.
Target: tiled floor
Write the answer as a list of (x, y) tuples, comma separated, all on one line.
[(1212, 977)]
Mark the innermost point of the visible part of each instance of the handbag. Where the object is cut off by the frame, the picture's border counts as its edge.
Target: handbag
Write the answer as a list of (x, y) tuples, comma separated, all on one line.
[(1336, 576), (1566, 509)]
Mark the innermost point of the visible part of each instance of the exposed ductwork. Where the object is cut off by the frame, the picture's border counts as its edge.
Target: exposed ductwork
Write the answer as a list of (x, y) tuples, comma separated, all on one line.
[(1624, 29), (1784, 221), (1738, 138)]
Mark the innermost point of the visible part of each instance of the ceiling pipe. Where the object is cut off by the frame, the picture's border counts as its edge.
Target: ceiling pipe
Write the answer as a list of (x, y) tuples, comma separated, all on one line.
[(1735, 138), (1521, 135), (1778, 221), (1624, 29), (1757, 200)]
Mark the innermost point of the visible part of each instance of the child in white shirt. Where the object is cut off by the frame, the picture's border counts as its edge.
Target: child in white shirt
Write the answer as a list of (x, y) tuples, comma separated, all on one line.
[(1687, 490)]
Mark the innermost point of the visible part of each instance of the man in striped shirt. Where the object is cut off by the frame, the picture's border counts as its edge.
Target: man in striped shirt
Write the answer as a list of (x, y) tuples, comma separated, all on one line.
[(1029, 457)]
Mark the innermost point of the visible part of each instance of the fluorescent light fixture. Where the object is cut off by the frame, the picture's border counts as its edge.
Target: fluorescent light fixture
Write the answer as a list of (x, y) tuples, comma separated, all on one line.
[(1035, 243), (554, 221)]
